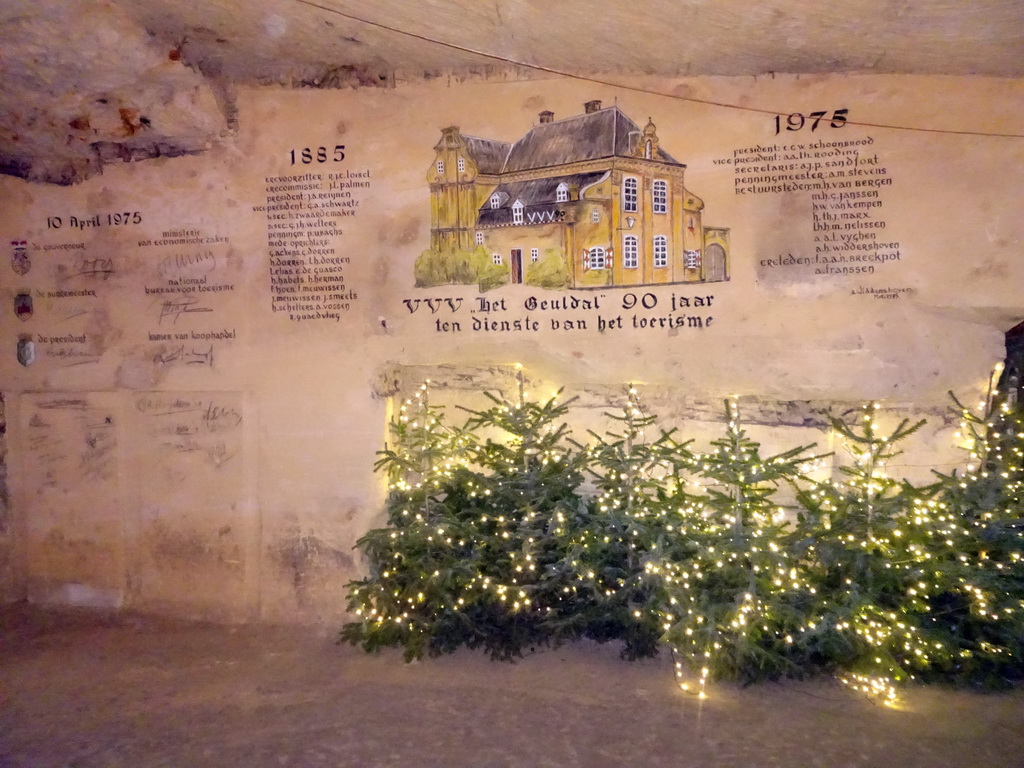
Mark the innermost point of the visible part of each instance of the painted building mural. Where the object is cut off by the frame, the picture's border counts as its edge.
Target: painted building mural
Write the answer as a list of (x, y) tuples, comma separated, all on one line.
[(590, 201)]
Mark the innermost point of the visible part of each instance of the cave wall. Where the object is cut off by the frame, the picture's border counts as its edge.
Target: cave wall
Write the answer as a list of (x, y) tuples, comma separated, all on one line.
[(199, 353), (11, 582)]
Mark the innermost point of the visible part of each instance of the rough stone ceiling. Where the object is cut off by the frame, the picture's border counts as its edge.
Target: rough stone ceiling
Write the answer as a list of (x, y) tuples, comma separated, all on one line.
[(84, 82)]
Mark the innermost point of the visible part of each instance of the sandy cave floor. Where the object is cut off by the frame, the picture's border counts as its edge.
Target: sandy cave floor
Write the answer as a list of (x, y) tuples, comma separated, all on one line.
[(81, 690)]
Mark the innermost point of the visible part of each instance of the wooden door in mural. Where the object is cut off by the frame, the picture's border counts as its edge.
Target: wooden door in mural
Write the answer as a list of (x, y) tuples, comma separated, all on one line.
[(516, 265), (714, 263)]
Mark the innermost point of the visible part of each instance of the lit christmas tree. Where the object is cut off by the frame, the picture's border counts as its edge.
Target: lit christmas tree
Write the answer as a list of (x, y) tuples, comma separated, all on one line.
[(982, 606), (469, 553), (873, 543), (735, 602), (527, 498), (633, 522), (419, 560)]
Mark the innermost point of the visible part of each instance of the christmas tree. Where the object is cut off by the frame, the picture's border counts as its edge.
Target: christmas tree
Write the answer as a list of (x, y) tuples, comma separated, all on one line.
[(418, 561), (469, 556), (872, 543), (632, 524), (527, 496), (982, 605), (735, 601)]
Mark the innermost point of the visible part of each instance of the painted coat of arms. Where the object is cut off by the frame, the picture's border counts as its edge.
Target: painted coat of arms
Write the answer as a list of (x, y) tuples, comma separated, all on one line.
[(26, 350), (23, 306), (20, 262)]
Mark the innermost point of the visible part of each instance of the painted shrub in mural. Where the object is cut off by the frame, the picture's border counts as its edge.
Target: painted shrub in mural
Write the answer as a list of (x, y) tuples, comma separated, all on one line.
[(460, 267), (590, 201)]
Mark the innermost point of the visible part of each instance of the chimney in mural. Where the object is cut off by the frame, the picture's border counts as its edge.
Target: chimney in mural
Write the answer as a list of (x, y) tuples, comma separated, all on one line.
[(589, 201)]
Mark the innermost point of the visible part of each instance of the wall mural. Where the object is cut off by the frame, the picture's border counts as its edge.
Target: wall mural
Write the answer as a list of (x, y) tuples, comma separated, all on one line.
[(500, 211), (589, 201), (597, 221)]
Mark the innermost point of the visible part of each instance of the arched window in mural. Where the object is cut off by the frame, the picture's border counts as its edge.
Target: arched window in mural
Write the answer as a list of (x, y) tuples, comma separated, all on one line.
[(629, 194), (630, 252), (714, 263), (660, 251), (659, 196)]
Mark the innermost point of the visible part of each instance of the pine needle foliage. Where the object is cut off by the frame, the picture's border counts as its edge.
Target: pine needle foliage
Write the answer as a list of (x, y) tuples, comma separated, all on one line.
[(735, 601), (982, 605), (469, 555), (504, 533), (870, 542), (632, 522)]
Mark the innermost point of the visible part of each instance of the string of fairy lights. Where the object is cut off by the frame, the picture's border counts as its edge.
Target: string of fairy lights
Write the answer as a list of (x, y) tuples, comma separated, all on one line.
[(505, 532)]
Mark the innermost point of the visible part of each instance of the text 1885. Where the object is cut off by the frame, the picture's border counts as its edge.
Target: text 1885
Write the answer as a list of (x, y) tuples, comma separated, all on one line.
[(308, 155)]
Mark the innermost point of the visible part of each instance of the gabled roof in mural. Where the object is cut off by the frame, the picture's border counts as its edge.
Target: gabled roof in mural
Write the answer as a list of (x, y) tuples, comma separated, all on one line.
[(602, 133), (532, 194), (489, 154)]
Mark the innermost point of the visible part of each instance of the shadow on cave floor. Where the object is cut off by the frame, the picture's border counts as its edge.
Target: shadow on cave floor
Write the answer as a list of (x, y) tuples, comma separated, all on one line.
[(86, 690)]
